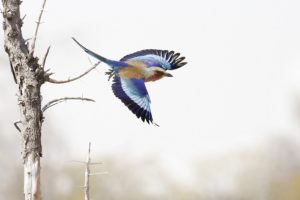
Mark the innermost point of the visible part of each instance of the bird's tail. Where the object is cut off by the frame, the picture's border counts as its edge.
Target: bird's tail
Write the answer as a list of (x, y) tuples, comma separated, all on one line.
[(111, 63)]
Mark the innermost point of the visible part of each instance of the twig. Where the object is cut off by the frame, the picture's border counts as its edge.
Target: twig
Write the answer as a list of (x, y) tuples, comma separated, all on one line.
[(16, 125), (13, 72), (36, 30), (45, 57), (98, 173), (82, 162), (87, 175), (57, 101), (50, 80), (77, 161), (90, 61), (96, 163), (23, 17)]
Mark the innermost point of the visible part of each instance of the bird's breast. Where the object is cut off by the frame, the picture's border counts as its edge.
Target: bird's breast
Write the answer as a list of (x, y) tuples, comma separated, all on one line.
[(139, 70), (132, 72)]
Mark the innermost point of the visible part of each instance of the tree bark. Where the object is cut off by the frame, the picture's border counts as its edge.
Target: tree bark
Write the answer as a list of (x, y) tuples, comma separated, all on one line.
[(29, 76)]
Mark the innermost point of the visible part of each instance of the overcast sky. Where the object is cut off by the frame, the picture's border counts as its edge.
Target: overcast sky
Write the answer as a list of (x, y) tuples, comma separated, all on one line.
[(240, 85)]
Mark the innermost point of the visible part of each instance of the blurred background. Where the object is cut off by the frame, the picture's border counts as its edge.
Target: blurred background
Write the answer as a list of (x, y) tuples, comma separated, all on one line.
[(229, 120)]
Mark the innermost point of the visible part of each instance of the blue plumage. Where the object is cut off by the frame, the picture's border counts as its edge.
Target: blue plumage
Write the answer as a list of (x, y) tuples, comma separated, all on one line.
[(133, 70), (134, 95), (167, 60), (112, 63)]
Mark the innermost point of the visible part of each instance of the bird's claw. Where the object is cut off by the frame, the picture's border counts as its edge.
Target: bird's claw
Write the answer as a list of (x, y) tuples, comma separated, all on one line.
[(110, 74)]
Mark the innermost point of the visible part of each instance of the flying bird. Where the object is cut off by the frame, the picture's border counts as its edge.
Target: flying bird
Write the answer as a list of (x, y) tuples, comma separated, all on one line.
[(132, 71)]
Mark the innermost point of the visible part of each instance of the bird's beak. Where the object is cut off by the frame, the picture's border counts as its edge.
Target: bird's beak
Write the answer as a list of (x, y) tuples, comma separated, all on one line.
[(168, 75)]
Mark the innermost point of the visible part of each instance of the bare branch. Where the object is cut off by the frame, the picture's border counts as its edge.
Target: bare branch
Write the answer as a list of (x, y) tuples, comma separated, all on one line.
[(16, 125), (36, 30), (96, 163), (77, 161), (13, 72), (83, 162), (87, 175), (23, 17), (57, 101), (45, 57), (50, 80), (98, 173)]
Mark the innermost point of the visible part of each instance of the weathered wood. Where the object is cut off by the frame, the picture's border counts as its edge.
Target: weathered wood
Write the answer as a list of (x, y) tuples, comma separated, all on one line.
[(29, 76)]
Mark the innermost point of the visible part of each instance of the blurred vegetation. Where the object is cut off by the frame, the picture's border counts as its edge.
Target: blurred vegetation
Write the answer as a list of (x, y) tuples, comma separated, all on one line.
[(270, 172)]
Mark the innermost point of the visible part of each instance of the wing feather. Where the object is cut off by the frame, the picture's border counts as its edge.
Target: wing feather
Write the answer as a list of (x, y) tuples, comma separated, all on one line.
[(133, 93), (167, 60)]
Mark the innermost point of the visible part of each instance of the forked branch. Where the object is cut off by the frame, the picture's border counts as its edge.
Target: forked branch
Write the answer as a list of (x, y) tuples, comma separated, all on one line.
[(50, 80)]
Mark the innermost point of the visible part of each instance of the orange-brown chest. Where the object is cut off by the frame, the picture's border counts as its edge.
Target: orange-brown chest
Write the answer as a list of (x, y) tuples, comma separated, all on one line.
[(132, 72), (139, 70)]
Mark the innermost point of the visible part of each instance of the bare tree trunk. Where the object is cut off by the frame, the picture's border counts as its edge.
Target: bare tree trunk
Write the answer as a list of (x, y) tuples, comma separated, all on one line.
[(29, 76)]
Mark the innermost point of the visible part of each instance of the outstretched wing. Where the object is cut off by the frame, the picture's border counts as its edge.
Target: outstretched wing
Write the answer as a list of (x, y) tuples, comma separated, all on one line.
[(133, 93), (168, 60)]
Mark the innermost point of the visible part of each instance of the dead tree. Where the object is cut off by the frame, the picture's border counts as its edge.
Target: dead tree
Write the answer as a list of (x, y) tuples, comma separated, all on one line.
[(88, 173), (30, 75)]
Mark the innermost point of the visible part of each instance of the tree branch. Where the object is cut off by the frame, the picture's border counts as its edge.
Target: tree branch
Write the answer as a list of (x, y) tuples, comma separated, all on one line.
[(98, 173), (45, 57), (13, 72), (16, 125), (50, 80), (83, 162), (87, 175), (60, 100), (36, 30)]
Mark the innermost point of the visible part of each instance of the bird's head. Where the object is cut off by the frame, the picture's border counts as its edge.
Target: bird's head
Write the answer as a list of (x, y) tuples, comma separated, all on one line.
[(156, 73), (161, 72)]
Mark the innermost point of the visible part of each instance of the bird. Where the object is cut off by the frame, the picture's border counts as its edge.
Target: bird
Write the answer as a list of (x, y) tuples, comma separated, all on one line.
[(131, 73)]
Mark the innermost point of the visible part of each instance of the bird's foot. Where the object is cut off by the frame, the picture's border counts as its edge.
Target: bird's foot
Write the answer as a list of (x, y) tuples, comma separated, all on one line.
[(110, 73)]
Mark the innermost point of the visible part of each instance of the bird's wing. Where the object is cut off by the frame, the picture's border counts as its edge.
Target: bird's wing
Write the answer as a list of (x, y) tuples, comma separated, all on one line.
[(168, 60), (133, 93)]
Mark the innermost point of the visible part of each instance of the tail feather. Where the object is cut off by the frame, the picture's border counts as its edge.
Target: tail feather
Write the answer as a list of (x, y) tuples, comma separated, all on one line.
[(111, 63)]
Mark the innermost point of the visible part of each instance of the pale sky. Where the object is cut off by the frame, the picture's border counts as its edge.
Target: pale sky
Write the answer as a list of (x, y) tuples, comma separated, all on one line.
[(239, 87)]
